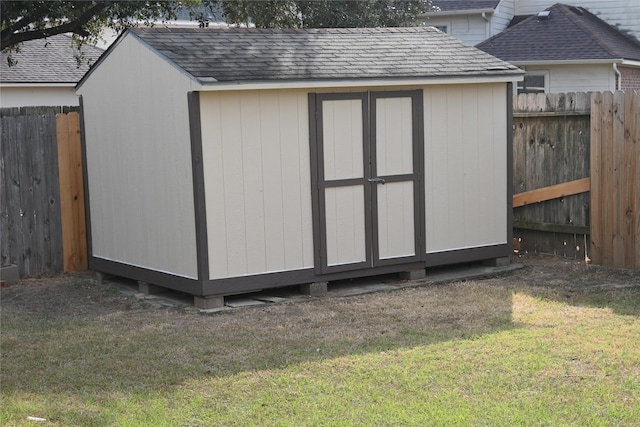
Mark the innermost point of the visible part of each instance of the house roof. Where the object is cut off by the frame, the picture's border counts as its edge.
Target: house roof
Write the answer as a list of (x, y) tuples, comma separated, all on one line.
[(50, 60), (247, 54), (460, 5), (568, 33)]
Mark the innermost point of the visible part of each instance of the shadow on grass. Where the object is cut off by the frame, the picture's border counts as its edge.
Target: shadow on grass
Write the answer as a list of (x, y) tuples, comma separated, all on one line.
[(77, 337)]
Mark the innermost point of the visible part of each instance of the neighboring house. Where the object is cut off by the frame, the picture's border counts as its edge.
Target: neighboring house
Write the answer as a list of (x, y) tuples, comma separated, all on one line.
[(471, 21), (568, 49), (474, 21), (44, 72), (621, 14)]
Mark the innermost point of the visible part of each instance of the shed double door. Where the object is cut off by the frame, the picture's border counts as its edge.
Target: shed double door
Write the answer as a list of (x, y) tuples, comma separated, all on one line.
[(367, 179)]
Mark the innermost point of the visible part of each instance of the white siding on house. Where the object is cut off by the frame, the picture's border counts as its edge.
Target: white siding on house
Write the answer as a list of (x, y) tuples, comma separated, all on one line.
[(622, 13), (501, 17), (35, 96), (471, 29), (257, 181), (465, 166), (139, 162), (577, 78)]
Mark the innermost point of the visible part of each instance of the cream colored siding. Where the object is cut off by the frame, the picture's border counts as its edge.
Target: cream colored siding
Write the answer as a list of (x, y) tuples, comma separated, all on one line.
[(345, 225), (257, 181), (394, 156), (396, 225), (624, 14), (465, 166), (342, 139), (139, 162)]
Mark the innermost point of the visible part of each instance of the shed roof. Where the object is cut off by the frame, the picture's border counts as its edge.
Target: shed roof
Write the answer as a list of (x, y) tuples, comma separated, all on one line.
[(50, 60), (568, 33), (248, 55)]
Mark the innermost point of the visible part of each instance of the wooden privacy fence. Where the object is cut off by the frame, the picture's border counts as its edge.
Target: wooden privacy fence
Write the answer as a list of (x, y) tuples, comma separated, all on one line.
[(42, 200), (576, 176), (615, 179)]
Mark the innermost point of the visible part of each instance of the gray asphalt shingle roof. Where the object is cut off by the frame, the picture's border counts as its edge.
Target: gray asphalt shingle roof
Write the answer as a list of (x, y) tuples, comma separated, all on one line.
[(241, 54), (569, 33), (50, 60), (458, 5)]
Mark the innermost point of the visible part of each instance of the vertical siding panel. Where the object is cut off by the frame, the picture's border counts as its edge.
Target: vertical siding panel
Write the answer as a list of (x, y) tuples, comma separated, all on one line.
[(472, 142), (253, 188), (233, 185), (487, 162), (437, 207), (345, 225), (305, 181), (499, 139), (428, 167), (211, 111), (290, 119), (272, 178), (455, 199)]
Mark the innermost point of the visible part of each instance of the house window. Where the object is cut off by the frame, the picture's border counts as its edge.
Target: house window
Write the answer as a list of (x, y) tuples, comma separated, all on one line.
[(534, 83), (442, 28)]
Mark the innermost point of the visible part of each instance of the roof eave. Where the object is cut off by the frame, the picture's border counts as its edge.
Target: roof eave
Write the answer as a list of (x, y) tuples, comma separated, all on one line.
[(340, 83), (37, 84), (458, 12), (566, 62)]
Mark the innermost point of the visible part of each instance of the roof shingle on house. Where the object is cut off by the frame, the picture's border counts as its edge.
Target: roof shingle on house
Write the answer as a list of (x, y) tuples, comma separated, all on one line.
[(248, 54), (567, 33), (50, 60), (459, 5)]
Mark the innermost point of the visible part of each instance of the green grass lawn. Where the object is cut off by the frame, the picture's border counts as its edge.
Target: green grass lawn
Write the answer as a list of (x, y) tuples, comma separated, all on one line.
[(488, 353)]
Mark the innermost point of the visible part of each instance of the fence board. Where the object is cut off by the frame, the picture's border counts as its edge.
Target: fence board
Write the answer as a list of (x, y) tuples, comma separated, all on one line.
[(30, 221), (71, 192), (615, 179), (551, 147)]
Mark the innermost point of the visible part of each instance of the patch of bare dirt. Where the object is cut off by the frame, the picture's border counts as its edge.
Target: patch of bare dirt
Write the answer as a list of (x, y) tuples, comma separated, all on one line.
[(81, 296)]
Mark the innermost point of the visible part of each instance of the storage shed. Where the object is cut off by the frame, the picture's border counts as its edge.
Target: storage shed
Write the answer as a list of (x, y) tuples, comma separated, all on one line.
[(223, 161)]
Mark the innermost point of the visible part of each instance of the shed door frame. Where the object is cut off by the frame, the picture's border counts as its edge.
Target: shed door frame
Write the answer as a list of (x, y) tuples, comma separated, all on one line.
[(369, 180)]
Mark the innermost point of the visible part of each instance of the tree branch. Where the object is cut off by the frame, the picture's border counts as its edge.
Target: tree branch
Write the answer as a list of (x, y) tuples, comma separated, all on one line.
[(76, 26)]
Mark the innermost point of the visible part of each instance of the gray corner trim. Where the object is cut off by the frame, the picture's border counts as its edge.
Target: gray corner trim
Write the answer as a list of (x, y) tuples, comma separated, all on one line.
[(315, 193), (200, 208), (459, 256), (85, 183), (510, 166), (166, 280)]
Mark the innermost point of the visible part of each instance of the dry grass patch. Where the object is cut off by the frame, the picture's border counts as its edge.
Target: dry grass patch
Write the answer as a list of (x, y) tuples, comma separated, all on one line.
[(531, 348)]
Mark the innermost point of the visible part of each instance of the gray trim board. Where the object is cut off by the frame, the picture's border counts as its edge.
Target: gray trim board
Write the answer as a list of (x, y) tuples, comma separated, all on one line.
[(85, 183), (159, 278), (200, 208), (467, 255), (510, 166)]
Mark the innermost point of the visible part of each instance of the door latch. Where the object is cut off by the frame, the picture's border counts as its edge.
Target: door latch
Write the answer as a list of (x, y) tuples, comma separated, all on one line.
[(376, 180)]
